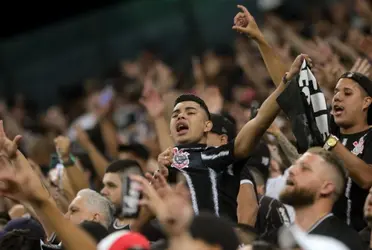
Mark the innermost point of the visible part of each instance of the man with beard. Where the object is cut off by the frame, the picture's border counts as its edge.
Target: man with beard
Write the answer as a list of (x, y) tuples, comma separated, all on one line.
[(113, 179), (352, 113), (314, 184)]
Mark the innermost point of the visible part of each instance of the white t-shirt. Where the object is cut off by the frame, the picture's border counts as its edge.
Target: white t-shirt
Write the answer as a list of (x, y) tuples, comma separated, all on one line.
[(273, 188)]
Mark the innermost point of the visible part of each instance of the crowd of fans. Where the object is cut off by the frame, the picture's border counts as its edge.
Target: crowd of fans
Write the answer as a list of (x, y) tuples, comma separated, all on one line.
[(266, 145)]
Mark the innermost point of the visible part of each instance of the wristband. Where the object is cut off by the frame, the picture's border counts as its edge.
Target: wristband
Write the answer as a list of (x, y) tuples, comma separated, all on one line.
[(70, 162)]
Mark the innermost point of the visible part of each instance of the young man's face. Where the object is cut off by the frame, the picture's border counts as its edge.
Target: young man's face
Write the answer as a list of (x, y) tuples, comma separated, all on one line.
[(112, 188), (349, 103), (189, 123)]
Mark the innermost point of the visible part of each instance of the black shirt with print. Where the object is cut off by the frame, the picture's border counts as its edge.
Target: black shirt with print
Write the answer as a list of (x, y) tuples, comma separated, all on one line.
[(229, 182), (333, 227), (329, 226), (271, 216), (200, 166), (114, 227), (349, 207)]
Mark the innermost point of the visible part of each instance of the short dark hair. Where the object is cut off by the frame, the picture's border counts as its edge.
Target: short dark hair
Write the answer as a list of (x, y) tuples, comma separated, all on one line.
[(121, 166), (214, 231), (336, 163), (20, 240), (193, 98)]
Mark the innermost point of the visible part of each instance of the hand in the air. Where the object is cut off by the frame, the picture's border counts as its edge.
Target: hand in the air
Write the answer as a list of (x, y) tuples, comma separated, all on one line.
[(296, 66), (362, 66), (8, 147), (63, 146), (151, 99), (244, 23), (173, 209)]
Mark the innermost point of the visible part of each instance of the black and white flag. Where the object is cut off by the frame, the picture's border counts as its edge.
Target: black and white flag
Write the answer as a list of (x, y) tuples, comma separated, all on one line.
[(305, 105)]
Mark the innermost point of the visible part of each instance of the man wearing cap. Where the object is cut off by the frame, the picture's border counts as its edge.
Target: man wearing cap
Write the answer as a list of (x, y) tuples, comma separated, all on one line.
[(352, 143), (238, 199)]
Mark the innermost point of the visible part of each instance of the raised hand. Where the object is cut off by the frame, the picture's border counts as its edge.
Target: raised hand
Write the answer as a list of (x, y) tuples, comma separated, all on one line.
[(159, 183), (8, 147), (63, 146), (361, 66), (244, 23), (273, 129), (151, 99), (296, 66), (21, 183), (174, 210)]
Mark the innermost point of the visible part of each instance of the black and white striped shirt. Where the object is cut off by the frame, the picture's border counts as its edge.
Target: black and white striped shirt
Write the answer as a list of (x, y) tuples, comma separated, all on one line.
[(200, 166)]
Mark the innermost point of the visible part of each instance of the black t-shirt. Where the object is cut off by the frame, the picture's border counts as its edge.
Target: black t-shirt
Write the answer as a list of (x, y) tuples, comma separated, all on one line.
[(333, 227), (365, 235), (114, 227), (349, 207), (271, 216), (229, 182), (200, 166)]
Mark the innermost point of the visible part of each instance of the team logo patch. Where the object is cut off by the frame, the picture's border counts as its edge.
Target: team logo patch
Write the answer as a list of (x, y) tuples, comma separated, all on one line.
[(180, 159), (358, 146)]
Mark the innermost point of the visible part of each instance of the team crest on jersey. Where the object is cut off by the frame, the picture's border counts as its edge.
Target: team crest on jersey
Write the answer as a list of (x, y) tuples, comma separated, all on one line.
[(358, 146), (180, 159)]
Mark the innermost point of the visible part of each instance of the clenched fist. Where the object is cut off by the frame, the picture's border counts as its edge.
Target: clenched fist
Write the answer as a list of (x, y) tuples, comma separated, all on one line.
[(63, 146), (165, 160)]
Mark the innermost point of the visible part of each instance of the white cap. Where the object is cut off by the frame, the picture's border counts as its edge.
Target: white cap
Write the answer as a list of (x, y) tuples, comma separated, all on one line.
[(293, 235)]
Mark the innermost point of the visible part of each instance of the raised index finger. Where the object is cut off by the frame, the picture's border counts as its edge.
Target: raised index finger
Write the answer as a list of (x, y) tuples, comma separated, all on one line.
[(245, 11)]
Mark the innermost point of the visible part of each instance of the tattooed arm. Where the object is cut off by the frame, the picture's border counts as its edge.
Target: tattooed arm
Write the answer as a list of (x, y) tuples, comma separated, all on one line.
[(288, 148)]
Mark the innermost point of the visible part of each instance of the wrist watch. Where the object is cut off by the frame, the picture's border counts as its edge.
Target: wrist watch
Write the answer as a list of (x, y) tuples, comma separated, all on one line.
[(331, 142), (70, 162)]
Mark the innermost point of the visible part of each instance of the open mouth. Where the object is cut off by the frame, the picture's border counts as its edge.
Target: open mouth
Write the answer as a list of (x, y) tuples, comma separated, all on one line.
[(289, 182), (182, 128), (337, 110)]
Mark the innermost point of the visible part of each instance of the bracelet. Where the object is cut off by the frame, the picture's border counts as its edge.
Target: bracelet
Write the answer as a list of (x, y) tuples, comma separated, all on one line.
[(71, 161)]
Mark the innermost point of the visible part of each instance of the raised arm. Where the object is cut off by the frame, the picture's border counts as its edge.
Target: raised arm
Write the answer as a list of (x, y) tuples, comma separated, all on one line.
[(245, 24), (20, 182), (74, 173), (154, 105), (288, 148), (98, 160), (252, 131)]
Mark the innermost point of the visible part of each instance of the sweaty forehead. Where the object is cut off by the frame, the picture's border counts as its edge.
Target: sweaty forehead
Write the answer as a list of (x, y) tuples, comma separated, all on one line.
[(347, 83), (312, 160), (187, 104)]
